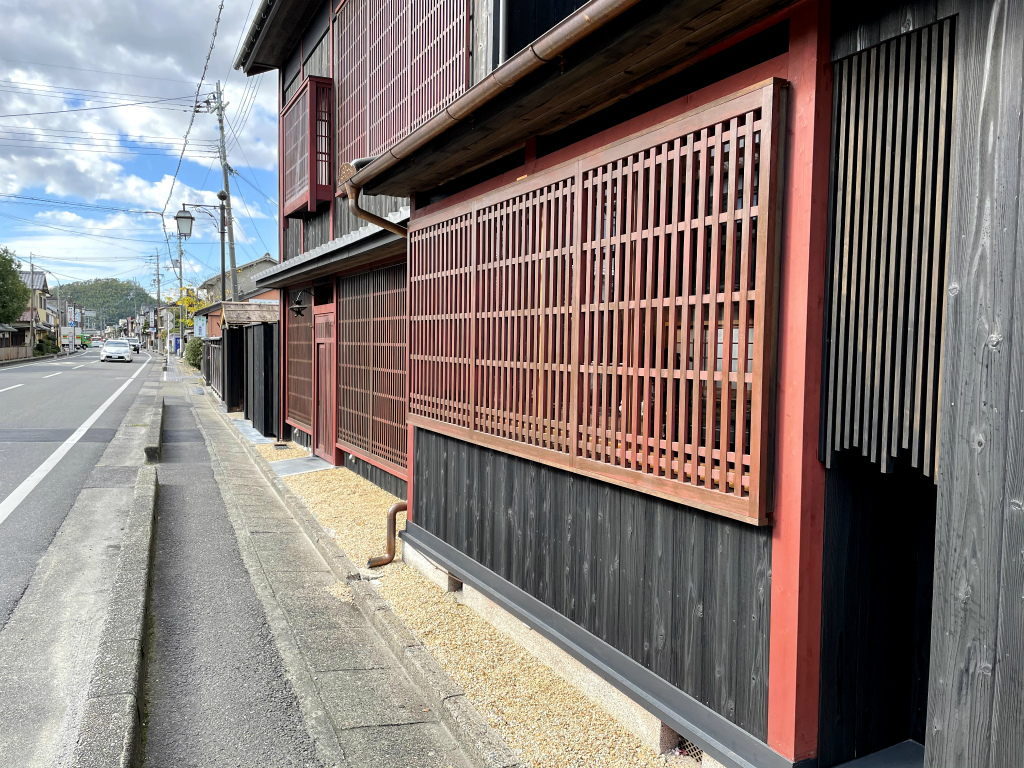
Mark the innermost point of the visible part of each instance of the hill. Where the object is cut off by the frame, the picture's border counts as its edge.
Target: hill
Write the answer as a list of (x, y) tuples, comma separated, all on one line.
[(112, 299)]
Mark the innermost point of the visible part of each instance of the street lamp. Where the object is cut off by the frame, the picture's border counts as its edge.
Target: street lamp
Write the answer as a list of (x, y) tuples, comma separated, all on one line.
[(184, 220)]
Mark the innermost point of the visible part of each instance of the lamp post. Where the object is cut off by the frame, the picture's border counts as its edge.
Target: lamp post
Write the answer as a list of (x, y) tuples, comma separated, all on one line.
[(185, 222)]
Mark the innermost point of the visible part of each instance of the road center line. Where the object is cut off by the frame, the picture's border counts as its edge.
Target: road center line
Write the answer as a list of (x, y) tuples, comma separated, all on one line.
[(8, 505), (58, 373), (78, 366), (15, 386)]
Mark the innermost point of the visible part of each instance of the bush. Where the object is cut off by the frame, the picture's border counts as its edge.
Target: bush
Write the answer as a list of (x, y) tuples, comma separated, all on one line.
[(46, 346), (194, 352)]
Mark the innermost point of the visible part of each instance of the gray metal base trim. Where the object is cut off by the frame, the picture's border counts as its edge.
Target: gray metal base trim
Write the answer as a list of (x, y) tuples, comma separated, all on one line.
[(718, 736), (907, 754)]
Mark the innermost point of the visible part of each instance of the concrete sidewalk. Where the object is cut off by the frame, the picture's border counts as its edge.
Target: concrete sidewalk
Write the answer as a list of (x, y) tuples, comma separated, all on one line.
[(272, 644)]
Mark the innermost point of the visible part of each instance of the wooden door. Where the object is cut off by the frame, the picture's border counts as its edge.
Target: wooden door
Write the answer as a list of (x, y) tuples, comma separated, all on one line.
[(323, 383)]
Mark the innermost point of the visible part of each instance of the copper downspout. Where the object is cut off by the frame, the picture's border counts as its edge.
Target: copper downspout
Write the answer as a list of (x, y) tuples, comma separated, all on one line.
[(345, 172), (377, 562), (545, 48)]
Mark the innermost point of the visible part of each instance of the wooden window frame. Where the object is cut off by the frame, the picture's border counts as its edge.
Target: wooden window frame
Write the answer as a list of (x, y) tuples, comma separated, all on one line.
[(447, 285), (317, 165)]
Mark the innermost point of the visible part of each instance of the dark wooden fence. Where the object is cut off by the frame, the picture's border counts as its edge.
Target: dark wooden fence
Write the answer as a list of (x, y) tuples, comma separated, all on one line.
[(262, 377), (212, 368)]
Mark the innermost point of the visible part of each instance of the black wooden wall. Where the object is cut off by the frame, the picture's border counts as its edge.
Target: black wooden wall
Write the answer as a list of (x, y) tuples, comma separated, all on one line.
[(389, 482), (876, 607), (682, 592), (976, 683)]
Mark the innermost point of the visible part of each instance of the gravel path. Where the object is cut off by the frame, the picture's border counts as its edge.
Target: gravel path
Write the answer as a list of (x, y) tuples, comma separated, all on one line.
[(546, 721)]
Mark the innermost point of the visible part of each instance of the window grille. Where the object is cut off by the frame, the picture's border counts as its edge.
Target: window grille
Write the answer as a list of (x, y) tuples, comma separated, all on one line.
[(350, 48), (299, 361), (399, 64), (307, 164), (615, 315), (371, 365)]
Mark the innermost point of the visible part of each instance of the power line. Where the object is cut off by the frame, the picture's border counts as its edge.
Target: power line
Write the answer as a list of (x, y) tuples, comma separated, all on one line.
[(23, 128), (75, 89), (89, 109), (191, 122), (77, 205), (101, 71)]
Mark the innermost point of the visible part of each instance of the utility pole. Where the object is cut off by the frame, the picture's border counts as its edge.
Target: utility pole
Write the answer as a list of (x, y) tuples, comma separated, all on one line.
[(158, 299), (181, 296), (225, 168), (32, 300)]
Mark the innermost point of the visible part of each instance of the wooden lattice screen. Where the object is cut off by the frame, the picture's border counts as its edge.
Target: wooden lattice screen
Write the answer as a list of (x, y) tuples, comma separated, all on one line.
[(887, 256), (350, 50), (615, 315), (371, 365), (388, 116), (438, 56), (299, 361), (308, 134), (295, 163), (399, 63)]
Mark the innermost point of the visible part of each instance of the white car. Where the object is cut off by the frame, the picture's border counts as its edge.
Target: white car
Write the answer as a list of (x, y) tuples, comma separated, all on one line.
[(116, 349)]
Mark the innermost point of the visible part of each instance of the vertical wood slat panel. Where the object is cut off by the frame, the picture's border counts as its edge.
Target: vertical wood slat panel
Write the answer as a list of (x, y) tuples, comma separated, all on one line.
[(371, 364), (299, 361), (350, 48), (665, 311), (890, 193)]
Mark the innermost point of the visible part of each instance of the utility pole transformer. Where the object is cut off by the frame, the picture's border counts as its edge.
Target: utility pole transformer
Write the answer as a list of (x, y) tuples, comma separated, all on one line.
[(226, 169)]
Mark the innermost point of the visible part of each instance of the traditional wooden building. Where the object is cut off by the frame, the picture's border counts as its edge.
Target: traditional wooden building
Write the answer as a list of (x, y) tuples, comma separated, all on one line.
[(688, 329)]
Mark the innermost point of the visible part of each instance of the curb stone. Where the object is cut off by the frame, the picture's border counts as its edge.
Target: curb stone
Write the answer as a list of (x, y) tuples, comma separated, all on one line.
[(458, 714), (154, 433), (109, 729)]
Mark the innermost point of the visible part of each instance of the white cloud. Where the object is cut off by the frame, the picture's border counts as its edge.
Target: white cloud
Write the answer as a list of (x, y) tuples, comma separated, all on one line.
[(119, 157)]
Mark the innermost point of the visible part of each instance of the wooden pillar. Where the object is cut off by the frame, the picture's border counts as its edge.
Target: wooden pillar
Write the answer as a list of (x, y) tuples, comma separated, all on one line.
[(799, 476)]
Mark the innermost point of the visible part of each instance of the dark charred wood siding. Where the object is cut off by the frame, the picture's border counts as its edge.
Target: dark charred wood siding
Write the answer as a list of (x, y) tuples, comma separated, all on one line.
[(876, 607), (394, 485), (682, 592), (292, 240), (317, 229)]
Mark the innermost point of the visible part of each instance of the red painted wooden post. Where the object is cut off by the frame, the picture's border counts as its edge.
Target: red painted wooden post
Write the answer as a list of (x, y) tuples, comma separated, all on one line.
[(799, 476)]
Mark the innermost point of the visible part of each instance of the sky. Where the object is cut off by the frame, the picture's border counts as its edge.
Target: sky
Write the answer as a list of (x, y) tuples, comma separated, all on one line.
[(86, 169)]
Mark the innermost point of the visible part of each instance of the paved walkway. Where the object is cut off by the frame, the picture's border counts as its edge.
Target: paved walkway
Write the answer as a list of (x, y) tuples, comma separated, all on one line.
[(242, 656)]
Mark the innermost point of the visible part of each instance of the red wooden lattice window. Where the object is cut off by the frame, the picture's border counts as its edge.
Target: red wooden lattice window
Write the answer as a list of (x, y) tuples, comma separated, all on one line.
[(389, 73), (400, 62), (307, 163), (350, 48), (371, 365), (615, 315), (299, 360), (438, 56)]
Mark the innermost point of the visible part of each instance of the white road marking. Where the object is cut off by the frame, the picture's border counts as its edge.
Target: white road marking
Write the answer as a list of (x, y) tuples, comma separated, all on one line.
[(8, 505), (58, 373), (12, 387), (26, 365), (78, 366)]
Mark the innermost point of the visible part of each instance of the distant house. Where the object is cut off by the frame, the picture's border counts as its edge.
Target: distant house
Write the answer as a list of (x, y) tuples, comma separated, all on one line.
[(34, 321), (246, 286)]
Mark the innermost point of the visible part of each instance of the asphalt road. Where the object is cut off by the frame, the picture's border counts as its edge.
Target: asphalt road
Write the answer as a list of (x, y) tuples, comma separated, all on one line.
[(42, 404)]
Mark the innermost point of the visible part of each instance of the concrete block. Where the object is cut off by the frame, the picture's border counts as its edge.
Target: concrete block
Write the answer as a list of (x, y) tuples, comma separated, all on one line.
[(117, 669), (154, 433), (488, 747)]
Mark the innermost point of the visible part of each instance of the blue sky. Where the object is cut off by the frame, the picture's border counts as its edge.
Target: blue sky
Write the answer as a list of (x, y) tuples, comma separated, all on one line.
[(85, 169)]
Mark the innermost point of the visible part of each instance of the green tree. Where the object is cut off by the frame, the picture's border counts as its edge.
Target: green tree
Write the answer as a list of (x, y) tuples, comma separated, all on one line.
[(114, 299), (14, 294)]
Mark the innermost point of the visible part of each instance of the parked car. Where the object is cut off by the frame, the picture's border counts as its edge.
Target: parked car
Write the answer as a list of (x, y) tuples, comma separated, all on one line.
[(134, 341), (116, 349)]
